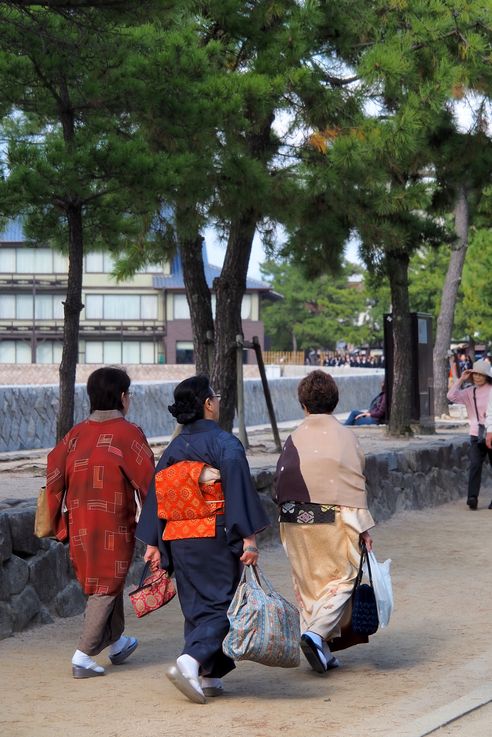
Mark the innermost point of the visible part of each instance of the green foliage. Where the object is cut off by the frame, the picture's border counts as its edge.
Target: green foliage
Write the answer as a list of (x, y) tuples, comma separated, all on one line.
[(477, 287), (319, 312), (69, 139)]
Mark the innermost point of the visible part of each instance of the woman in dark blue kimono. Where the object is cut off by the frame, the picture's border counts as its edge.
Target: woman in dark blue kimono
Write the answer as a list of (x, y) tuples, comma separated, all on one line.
[(207, 569)]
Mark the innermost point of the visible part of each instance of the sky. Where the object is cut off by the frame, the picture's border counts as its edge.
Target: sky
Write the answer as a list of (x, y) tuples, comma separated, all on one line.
[(216, 252)]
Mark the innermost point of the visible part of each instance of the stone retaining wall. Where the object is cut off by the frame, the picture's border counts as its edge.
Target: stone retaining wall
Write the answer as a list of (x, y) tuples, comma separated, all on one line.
[(29, 412), (36, 580)]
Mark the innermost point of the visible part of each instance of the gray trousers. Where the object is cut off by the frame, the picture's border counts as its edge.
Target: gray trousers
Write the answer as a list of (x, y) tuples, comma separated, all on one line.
[(104, 622)]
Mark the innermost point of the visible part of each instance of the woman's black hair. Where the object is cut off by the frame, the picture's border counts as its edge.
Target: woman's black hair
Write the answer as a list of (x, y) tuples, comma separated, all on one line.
[(105, 387), (189, 398)]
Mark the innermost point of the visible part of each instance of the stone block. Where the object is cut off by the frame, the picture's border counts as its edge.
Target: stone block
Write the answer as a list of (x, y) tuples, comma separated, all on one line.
[(4, 585), (263, 480), (6, 620), (22, 531), (25, 608), (70, 601), (48, 572), (5, 538), (16, 572), (44, 616)]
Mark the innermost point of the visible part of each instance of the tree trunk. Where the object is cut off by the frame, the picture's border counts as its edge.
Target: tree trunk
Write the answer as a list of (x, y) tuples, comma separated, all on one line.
[(230, 288), (401, 408), (72, 308), (199, 300), (448, 303)]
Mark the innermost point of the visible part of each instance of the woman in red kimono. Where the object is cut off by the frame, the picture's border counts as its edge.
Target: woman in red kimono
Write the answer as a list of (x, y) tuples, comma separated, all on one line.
[(94, 475)]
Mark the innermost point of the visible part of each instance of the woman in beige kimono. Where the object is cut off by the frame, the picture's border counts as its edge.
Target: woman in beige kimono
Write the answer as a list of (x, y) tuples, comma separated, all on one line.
[(321, 493)]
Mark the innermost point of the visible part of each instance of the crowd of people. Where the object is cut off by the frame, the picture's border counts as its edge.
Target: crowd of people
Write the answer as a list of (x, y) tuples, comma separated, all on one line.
[(201, 514), (318, 357)]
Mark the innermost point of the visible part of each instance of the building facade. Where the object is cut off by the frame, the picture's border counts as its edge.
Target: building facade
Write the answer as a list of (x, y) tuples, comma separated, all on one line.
[(144, 320)]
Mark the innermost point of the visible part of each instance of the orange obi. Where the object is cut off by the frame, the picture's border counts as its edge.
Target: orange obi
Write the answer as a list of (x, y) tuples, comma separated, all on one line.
[(189, 506)]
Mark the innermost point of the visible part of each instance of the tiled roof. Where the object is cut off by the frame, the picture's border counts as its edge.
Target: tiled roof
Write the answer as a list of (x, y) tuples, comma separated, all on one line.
[(175, 279)]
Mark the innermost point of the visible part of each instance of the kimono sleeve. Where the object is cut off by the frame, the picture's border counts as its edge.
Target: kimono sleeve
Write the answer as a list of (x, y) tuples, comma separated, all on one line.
[(244, 512), (150, 528), (56, 486), (139, 462)]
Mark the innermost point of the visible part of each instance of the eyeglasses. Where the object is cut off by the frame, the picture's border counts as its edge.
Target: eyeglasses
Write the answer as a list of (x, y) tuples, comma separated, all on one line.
[(130, 394), (215, 396)]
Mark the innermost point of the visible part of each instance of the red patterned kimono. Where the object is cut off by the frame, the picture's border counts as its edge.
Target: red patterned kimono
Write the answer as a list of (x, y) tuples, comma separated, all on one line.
[(94, 471)]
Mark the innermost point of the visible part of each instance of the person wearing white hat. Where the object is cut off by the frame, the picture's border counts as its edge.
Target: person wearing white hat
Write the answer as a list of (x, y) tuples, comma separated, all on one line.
[(476, 400)]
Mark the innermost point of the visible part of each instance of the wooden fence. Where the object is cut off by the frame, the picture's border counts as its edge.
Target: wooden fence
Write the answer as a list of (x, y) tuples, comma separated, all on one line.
[(294, 358)]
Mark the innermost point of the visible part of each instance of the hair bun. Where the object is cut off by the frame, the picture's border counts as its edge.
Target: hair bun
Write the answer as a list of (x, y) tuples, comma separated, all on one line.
[(186, 410)]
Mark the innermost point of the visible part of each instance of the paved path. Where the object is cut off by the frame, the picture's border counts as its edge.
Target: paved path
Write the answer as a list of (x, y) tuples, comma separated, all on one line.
[(433, 664)]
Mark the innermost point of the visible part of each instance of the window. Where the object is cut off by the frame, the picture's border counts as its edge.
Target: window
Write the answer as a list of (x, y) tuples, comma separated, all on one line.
[(7, 260), (34, 261), (126, 352), (147, 353), (181, 309), (184, 352), (246, 307), (121, 307), (44, 307), (94, 352), (112, 351), (148, 308), (49, 351), (93, 308), (15, 351), (99, 263), (7, 306), (24, 306), (131, 352), (118, 307)]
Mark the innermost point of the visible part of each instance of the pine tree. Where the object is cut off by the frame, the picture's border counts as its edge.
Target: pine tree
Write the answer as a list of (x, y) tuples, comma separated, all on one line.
[(77, 169)]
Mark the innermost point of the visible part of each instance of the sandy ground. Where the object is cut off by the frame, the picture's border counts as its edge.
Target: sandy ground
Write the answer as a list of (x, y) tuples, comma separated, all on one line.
[(433, 665)]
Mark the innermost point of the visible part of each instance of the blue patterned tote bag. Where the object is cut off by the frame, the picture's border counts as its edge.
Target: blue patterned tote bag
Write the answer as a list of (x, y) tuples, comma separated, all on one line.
[(264, 627)]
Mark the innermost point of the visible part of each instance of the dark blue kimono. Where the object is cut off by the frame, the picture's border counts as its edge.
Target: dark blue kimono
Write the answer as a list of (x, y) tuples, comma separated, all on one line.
[(208, 569)]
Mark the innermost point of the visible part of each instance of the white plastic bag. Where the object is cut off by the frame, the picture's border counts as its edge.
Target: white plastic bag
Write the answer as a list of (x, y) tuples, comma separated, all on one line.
[(383, 589)]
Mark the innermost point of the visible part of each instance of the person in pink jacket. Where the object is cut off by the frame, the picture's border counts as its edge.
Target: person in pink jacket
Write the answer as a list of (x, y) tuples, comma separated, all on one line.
[(475, 398)]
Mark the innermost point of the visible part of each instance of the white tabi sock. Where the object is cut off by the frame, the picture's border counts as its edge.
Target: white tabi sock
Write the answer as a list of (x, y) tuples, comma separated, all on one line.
[(85, 661), (188, 665), (119, 645), (320, 643)]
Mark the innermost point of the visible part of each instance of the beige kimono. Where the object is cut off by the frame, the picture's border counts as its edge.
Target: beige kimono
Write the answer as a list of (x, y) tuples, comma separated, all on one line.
[(322, 463)]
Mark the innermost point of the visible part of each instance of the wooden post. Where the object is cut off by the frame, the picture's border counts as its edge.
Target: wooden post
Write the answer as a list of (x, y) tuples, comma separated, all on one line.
[(266, 391), (240, 391)]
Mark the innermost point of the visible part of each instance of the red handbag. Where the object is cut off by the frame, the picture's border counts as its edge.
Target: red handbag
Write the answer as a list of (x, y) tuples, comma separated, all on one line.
[(152, 592)]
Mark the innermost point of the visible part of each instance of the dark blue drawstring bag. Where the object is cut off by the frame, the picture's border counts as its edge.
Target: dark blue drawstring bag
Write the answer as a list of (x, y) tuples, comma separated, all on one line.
[(365, 618)]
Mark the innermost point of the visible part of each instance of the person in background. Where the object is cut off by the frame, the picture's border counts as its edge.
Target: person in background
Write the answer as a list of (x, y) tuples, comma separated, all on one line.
[(476, 399), (320, 490), (95, 473), (375, 415), (208, 548)]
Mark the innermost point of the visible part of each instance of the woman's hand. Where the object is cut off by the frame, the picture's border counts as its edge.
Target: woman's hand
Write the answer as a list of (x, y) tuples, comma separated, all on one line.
[(250, 551), (366, 539), (465, 376), (153, 556), (363, 414)]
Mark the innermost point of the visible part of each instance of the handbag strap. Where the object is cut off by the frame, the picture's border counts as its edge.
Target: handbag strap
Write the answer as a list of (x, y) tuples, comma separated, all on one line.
[(360, 574), (145, 573)]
